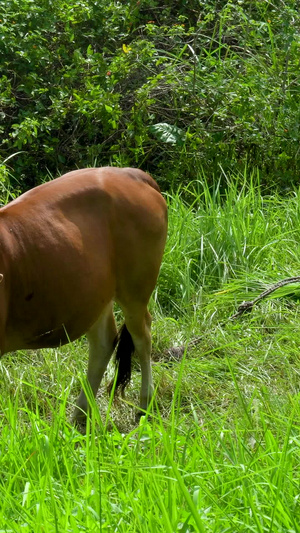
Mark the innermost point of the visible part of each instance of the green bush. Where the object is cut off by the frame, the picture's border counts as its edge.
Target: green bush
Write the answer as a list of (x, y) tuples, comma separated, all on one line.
[(176, 91)]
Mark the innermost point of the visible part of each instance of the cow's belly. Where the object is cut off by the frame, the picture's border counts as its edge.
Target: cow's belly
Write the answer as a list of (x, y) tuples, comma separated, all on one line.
[(56, 315)]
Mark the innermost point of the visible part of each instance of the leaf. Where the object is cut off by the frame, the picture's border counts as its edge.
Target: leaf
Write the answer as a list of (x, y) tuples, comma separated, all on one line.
[(168, 133)]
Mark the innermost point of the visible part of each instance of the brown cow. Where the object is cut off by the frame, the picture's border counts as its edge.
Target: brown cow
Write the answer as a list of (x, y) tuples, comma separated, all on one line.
[(70, 248)]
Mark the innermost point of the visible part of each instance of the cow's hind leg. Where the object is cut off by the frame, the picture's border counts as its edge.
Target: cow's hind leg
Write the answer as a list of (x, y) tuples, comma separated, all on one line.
[(102, 338), (138, 323)]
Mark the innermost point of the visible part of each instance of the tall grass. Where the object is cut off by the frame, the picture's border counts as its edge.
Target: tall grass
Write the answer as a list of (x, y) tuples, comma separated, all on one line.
[(221, 451), (241, 234)]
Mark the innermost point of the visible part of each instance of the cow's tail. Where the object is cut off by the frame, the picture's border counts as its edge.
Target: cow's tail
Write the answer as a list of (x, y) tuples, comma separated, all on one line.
[(125, 349)]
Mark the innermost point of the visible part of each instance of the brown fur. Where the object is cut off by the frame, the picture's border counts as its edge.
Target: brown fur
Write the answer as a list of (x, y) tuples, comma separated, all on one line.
[(71, 247)]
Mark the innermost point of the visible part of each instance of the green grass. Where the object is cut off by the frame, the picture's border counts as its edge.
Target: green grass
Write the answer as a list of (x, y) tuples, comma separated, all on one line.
[(221, 451)]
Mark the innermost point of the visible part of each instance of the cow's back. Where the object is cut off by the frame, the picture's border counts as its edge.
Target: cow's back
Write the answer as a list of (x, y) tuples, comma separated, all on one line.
[(70, 246)]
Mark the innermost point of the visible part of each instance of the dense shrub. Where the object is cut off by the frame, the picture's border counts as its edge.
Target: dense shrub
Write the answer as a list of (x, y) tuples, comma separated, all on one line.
[(176, 88)]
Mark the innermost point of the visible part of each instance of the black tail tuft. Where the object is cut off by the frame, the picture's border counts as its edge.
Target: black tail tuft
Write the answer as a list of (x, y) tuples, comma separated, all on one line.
[(125, 349)]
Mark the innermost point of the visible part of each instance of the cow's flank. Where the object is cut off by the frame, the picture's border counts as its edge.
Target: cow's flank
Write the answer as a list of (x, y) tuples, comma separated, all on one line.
[(69, 249)]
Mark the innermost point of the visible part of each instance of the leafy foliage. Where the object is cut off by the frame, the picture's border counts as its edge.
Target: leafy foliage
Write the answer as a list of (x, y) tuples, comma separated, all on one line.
[(171, 89)]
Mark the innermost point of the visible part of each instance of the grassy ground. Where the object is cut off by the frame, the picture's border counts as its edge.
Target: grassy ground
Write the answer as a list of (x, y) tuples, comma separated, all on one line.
[(221, 451)]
